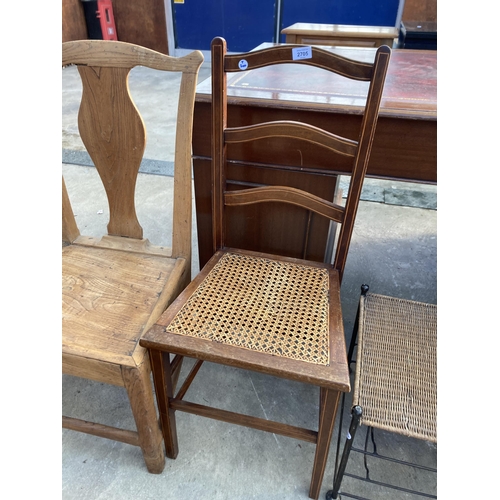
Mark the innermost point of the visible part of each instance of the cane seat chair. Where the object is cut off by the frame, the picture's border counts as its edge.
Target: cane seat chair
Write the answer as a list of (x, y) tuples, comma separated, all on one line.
[(395, 382), (116, 286), (275, 315)]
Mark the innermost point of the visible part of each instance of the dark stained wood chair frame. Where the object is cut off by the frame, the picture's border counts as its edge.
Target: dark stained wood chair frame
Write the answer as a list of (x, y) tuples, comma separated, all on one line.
[(116, 287), (332, 379)]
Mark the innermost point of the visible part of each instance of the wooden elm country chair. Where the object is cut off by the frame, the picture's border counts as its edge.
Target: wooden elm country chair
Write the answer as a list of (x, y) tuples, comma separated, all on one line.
[(115, 287), (395, 383), (275, 315)]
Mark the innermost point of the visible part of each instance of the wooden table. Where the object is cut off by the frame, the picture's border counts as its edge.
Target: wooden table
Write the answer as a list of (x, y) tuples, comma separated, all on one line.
[(340, 35), (404, 149)]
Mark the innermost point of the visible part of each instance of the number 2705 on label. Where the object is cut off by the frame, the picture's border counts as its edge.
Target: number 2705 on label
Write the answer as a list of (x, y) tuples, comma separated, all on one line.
[(302, 53)]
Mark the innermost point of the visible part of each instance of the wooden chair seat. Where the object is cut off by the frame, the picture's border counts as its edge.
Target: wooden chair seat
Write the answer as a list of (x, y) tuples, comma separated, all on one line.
[(115, 287), (110, 297)]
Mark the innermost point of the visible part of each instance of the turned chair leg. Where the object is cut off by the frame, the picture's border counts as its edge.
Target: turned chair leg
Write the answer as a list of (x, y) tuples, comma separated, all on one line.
[(164, 386), (329, 400), (138, 385)]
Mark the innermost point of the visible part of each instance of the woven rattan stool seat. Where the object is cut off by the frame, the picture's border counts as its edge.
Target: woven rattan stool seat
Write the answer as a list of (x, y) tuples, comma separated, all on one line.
[(266, 305), (396, 366)]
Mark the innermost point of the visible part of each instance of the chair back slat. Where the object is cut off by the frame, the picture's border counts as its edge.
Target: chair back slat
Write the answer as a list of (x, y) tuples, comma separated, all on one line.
[(285, 194), (296, 130)]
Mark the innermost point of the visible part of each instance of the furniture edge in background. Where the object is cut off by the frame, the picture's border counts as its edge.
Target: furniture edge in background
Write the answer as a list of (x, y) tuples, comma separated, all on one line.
[(340, 35), (142, 22)]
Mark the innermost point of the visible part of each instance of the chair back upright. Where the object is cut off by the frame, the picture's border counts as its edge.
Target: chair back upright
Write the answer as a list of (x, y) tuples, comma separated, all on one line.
[(358, 150), (114, 134)]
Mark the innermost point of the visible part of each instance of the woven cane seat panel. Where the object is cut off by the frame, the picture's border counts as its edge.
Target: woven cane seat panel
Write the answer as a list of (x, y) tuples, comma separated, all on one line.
[(396, 366), (261, 304)]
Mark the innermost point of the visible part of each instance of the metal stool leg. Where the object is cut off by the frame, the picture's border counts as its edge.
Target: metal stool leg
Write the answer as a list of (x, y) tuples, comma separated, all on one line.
[(356, 416)]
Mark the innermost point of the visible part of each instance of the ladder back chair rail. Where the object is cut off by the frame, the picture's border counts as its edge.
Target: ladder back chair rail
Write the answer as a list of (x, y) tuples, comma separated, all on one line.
[(116, 287)]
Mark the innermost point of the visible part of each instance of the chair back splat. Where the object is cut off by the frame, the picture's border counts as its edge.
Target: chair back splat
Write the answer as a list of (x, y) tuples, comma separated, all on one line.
[(116, 286), (258, 310)]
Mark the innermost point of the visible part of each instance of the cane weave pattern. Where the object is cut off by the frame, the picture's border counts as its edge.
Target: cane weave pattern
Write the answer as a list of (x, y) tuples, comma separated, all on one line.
[(265, 305), (396, 366)]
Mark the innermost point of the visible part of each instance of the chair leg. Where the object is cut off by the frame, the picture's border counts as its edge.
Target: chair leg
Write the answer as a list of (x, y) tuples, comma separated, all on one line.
[(164, 386), (329, 400), (138, 385), (356, 416)]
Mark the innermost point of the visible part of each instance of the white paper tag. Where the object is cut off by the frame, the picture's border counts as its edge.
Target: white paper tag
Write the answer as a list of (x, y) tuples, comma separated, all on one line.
[(301, 53)]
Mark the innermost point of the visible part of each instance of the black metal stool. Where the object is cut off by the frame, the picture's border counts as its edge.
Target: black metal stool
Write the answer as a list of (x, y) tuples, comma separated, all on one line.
[(395, 379)]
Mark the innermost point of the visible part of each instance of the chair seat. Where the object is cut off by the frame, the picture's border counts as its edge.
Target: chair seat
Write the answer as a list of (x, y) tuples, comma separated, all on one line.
[(396, 367), (108, 299), (253, 306)]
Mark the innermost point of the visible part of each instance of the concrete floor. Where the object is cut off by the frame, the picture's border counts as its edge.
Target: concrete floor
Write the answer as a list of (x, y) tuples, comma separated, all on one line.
[(393, 249)]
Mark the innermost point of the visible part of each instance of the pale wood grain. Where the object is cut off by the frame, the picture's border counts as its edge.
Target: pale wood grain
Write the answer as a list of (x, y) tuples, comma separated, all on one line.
[(115, 137), (115, 287), (107, 53)]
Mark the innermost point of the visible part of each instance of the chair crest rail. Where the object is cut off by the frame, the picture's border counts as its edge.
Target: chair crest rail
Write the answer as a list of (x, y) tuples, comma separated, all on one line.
[(320, 58)]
